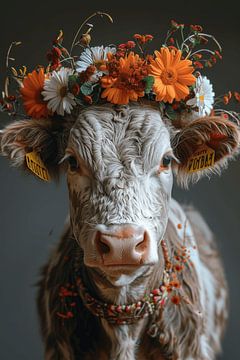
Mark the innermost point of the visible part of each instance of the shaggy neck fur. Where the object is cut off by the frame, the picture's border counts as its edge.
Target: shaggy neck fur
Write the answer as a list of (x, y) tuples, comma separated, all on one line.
[(164, 323)]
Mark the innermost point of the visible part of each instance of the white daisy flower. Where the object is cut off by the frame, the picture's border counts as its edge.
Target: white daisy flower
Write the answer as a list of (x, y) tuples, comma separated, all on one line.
[(204, 96), (56, 92), (94, 56)]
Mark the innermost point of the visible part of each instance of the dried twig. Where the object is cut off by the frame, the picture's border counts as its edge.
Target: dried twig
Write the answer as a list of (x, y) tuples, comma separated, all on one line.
[(102, 14)]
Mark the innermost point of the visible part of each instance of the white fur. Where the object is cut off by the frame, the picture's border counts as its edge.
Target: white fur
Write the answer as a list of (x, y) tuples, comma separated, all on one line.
[(126, 187)]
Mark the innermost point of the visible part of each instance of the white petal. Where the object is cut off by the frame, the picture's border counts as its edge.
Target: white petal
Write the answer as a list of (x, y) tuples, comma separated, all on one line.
[(60, 109), (88, 57), (53, 104)]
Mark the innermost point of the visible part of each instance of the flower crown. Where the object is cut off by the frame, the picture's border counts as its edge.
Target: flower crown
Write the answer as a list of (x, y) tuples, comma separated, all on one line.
[(120, 74)]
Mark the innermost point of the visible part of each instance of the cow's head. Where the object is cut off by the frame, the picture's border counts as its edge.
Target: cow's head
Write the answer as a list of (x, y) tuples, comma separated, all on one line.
[(120, 173)]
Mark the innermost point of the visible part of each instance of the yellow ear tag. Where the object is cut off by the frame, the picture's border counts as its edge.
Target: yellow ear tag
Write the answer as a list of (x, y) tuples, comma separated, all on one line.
[(202, 159), (35, 164)]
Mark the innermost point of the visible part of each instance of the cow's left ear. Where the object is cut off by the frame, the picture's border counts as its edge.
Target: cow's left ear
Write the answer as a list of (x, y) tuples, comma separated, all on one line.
[(46, 138), (204, 146)]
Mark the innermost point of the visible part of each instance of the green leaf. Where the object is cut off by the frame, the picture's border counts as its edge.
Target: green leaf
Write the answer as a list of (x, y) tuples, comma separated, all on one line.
[(87, 88), (195, 41), (162, 107), (96, 93), (80, 101), (149, 81), (170, 113), (72, 79)]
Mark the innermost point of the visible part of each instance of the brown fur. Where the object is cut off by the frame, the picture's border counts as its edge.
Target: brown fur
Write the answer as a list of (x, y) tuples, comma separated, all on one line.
[(198, 133), (210, 257), (48, 138)]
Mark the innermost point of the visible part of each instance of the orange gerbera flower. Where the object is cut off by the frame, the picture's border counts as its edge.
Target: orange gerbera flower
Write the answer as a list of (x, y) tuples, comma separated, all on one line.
[(31, 91), (172, 75), (125, 80)]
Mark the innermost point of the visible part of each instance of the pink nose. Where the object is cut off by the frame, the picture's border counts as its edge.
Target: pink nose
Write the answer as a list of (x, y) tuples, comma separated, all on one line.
[(123, 245)]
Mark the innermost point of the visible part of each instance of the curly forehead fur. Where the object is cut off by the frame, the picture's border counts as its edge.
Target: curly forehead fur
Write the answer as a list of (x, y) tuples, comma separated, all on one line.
[(133, 138)]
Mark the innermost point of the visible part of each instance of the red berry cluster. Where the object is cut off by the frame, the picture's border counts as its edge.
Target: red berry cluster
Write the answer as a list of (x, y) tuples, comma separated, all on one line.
[(125, 47)]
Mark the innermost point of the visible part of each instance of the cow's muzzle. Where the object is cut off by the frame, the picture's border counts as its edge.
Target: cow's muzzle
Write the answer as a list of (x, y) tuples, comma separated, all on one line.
[(119, 245)]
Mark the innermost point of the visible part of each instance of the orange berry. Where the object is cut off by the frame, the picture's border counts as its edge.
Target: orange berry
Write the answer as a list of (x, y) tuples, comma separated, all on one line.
[(175, 300)]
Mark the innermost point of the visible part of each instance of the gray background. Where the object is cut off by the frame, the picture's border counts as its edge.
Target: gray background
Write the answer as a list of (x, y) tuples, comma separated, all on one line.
[(32, 212)]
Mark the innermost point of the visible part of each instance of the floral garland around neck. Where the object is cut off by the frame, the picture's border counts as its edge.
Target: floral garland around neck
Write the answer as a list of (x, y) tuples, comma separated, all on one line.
[(125, 314), (120, 74)]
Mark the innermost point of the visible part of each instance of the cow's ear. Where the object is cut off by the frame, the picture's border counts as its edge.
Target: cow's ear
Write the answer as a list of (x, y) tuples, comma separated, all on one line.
[(204, 146), (46, 137)]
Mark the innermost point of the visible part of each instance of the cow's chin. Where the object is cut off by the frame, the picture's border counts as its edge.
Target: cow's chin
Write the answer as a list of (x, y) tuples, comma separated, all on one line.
[(121, 275), (124, 275)]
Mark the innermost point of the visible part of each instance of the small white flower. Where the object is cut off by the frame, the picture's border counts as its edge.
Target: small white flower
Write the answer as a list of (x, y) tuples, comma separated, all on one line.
[(94, 56), (56, 92), (204, 96)]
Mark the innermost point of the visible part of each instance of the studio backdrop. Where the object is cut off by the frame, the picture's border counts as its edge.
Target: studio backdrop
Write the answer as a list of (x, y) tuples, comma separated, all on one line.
[(32, 212)]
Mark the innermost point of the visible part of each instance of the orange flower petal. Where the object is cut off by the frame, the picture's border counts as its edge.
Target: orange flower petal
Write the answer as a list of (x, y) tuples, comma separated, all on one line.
[(181, 90), (33, 79), (155, 70), (166, 57), (107, 81), (160, 92), (170, 72), (31, 92), (176, 58), (185, 64), (108, 93), (116, 96), (123, 98), (160, 64), (125, 81), (157, 53), (171, 92), (187, 79), (182, 70), (133, 95)]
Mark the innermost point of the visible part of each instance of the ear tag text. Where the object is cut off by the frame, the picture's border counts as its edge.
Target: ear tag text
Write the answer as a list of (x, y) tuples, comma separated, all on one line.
[(35, 164), (204, 158)]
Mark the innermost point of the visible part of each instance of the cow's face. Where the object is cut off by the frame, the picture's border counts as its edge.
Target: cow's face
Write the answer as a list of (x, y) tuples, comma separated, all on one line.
[(120, 183)]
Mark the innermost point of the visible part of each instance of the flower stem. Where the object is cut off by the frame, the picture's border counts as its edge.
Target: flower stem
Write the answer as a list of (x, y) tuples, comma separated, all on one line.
[(202, 50), (205, 35), (7, 81), (182, 34), (140, 47), (82, 25), (232, 114), (169, 33)]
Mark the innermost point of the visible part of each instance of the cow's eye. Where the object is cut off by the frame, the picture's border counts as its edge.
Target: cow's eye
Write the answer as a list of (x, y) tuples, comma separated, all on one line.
[(166, 161), (73, 163)]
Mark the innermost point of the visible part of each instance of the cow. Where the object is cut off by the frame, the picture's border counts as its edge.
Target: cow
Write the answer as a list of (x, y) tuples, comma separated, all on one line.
[(135, 276)]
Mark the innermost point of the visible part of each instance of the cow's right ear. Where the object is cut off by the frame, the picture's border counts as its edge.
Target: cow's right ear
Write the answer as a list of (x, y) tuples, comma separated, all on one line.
[(46, 137), (204, 146)]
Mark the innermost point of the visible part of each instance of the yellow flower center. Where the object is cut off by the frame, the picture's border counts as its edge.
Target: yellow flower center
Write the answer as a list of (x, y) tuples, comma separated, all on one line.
[(169, 76), (63, 91), (99, 63), (201, 98)]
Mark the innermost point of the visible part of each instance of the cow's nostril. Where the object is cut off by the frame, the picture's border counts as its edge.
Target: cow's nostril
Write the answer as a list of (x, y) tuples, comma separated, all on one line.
[(141, 247), (103, 248)]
